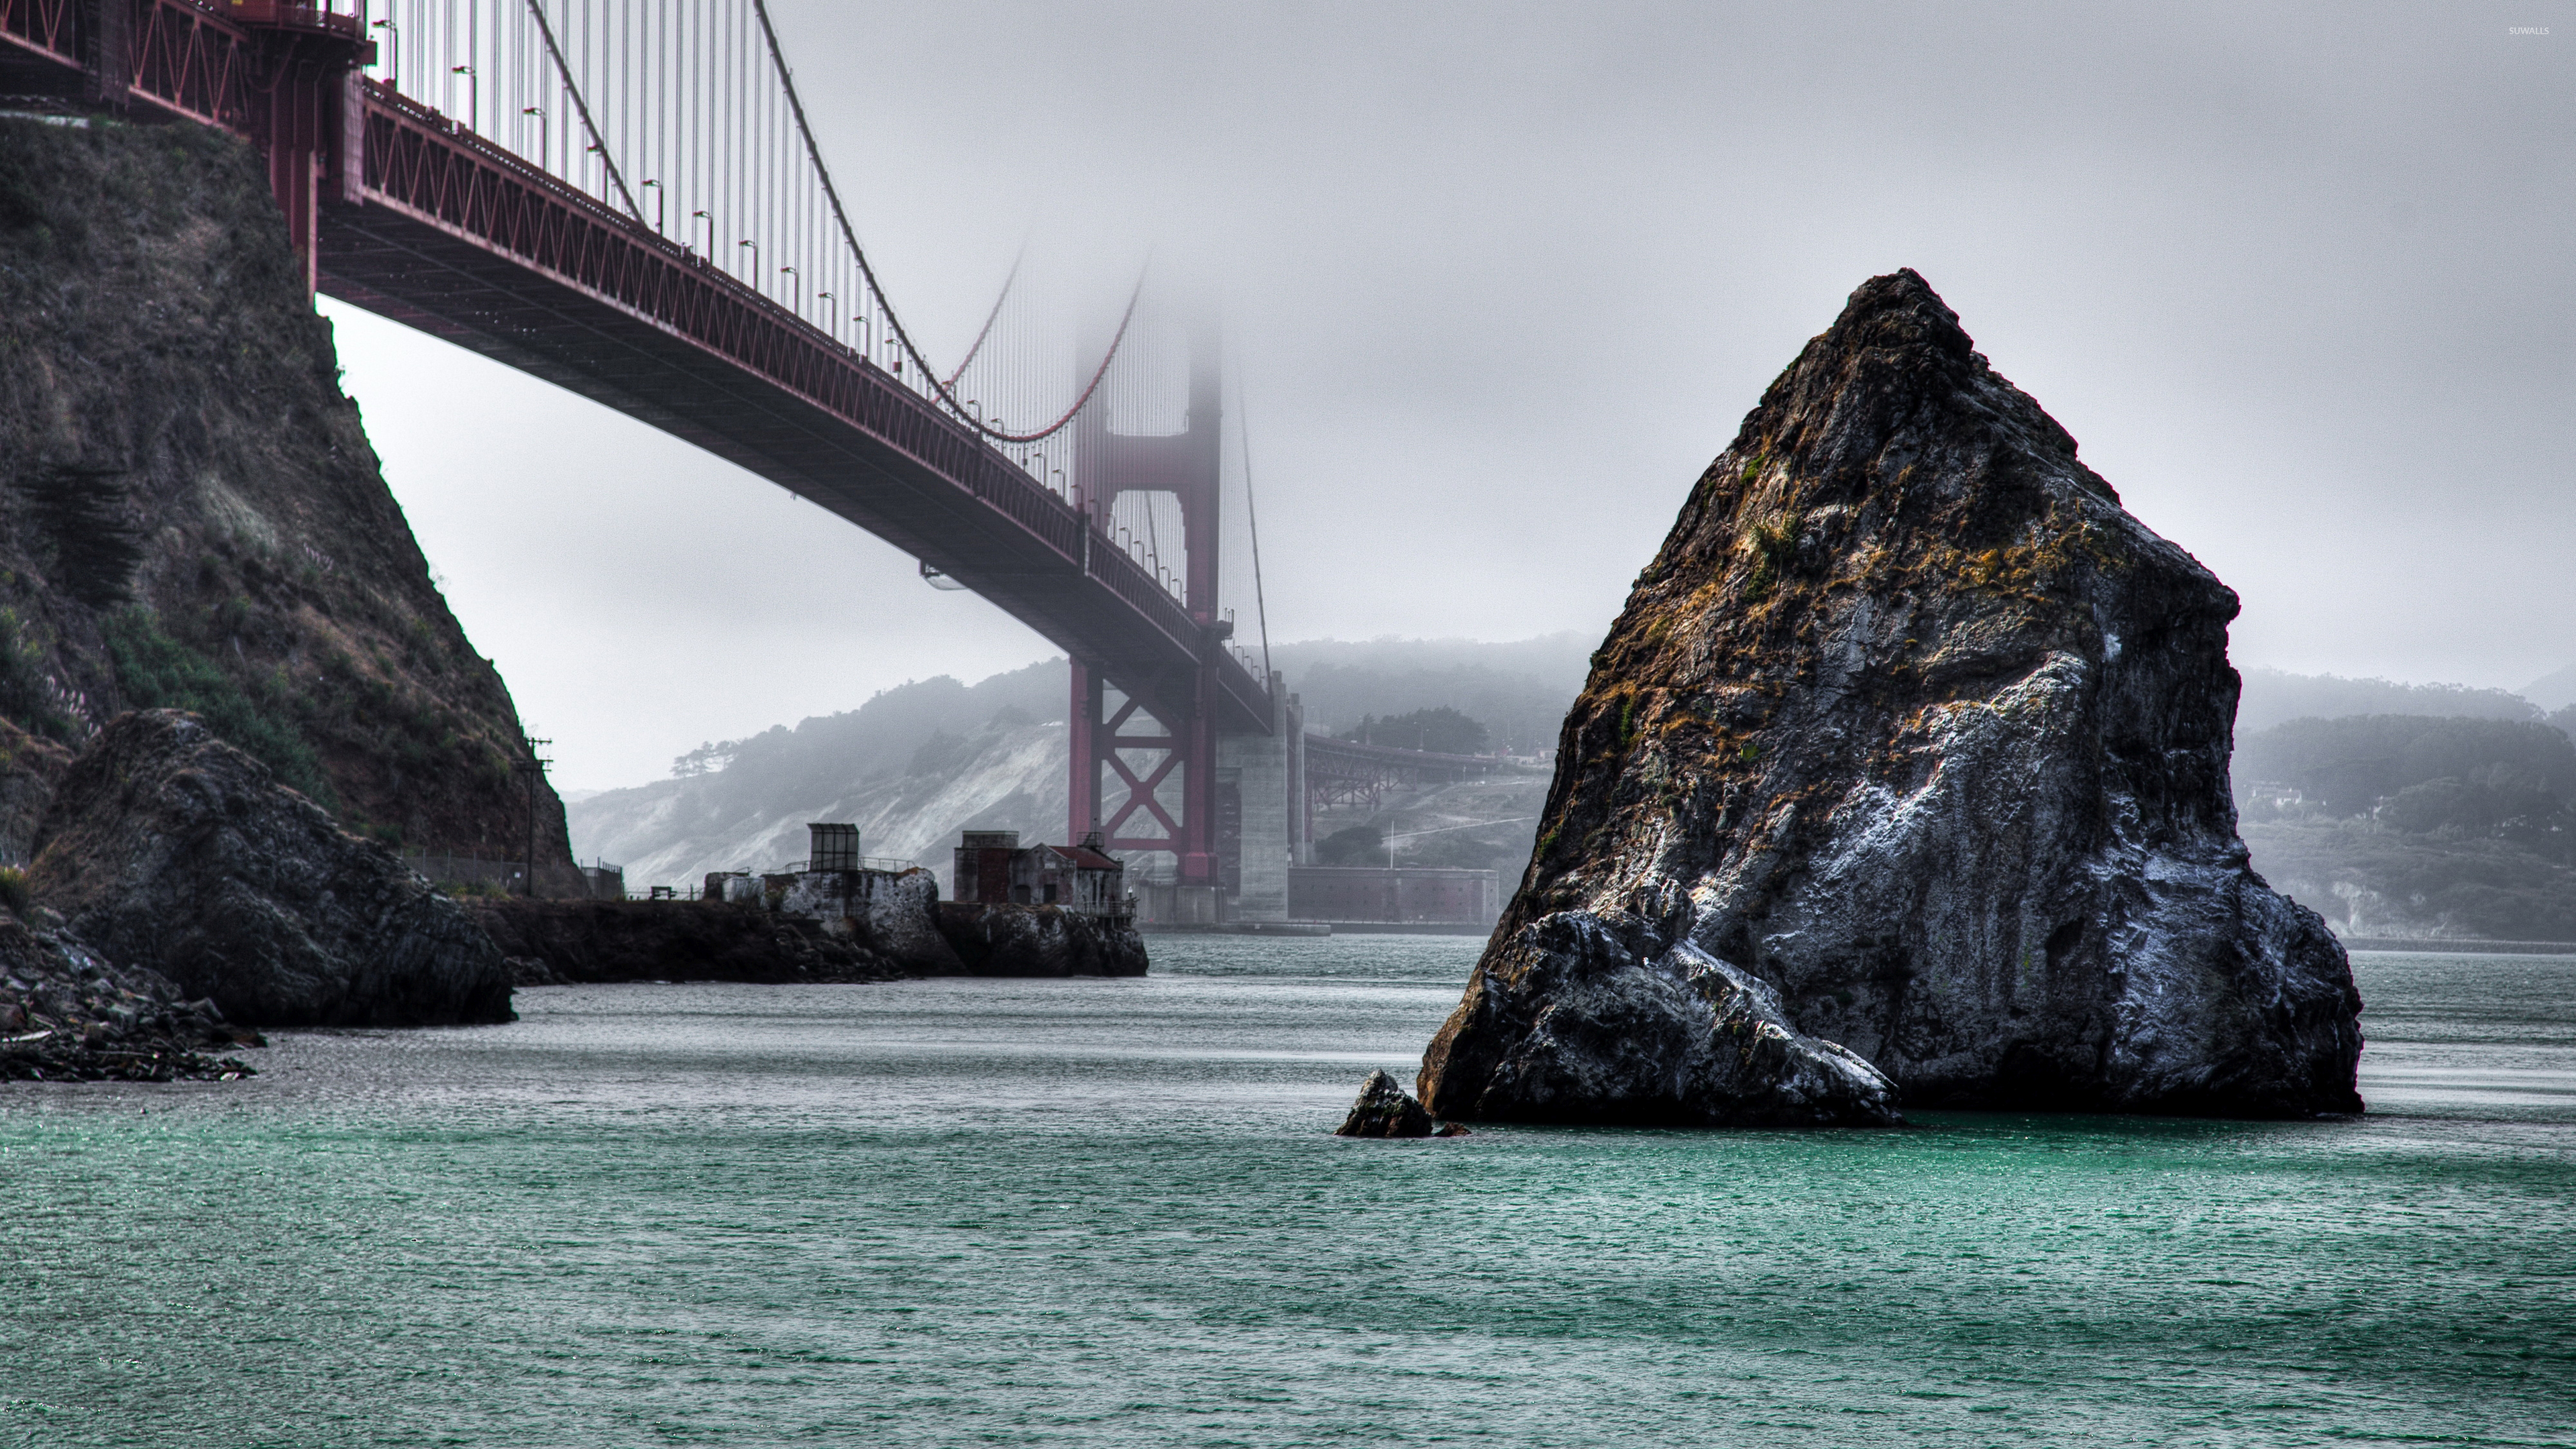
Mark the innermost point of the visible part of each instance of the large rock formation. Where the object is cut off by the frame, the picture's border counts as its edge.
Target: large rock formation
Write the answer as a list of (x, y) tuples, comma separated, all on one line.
[(170, 849), (191, 516), (1909, 739)]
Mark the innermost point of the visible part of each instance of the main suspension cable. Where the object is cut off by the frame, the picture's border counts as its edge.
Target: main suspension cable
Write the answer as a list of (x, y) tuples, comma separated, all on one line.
[(598, 142), (1252, 517), (991, 317), (849, 235)]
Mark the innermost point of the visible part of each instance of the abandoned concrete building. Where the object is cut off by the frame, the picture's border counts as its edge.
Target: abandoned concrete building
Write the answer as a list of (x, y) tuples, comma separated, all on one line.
[(993, 868)]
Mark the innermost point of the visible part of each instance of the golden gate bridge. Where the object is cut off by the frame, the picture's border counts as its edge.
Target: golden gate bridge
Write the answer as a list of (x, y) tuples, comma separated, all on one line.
[(626, 198)]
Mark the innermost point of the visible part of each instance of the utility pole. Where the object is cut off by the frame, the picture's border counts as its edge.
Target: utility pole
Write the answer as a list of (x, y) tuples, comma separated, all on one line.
[(534, 767)]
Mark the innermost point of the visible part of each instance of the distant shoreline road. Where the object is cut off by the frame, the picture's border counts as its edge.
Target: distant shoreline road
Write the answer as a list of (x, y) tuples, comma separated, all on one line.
[(2471, 948)]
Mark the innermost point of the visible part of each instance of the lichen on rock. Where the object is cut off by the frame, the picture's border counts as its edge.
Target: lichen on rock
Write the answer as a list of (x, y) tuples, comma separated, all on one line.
[(1909, 739)]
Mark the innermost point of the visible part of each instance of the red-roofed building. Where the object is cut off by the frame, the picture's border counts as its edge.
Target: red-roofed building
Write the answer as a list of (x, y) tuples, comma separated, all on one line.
[(993, 868)]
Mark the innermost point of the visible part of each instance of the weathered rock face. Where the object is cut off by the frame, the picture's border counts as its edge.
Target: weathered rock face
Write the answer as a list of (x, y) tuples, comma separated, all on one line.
[(1005, 940), (167, 848), (67, 1013), (1912, 725), (561, 943), (191, 515)]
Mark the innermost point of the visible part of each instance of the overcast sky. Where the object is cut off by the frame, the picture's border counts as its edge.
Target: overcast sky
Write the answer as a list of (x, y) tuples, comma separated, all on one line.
[(1501, 279)]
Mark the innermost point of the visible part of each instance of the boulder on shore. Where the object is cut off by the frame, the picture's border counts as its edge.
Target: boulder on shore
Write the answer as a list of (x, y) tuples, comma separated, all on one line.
[(167, 848), (1910, 739)]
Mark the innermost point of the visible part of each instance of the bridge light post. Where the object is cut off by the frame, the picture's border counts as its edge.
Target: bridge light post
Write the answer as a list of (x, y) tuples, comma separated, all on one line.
[(540, 113), (658, 198), (799, 291), (831, 315), (711, 232), (473, 95), (755, 262), (393, 52)]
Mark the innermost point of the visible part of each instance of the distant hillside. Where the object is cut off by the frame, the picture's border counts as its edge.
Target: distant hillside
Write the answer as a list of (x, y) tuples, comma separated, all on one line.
[(2412, 825), (2554, 691), (919, 763), (912, 767), (2272, 696), (1518, 691)]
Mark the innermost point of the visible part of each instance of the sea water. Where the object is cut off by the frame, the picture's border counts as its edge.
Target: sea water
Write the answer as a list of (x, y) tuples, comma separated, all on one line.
[(1111, 1213)]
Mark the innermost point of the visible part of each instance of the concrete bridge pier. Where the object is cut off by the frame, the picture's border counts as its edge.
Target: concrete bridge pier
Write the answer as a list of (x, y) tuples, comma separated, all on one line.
[(1261, 774)]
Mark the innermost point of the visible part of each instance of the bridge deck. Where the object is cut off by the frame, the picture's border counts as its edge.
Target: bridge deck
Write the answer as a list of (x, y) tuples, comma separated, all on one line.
[(458, 238), (442, 230)]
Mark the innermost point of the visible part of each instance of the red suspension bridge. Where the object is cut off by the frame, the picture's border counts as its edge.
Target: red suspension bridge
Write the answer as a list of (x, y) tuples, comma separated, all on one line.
[(624, 197)]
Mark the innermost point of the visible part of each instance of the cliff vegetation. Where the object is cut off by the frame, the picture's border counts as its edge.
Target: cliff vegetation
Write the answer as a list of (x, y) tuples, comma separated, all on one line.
[(191, 516)]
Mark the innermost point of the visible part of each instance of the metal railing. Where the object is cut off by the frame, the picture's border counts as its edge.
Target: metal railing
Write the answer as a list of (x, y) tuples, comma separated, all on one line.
[(887, 863)]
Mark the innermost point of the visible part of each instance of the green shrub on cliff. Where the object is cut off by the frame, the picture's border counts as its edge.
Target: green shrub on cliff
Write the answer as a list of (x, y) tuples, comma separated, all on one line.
[(155, 671)]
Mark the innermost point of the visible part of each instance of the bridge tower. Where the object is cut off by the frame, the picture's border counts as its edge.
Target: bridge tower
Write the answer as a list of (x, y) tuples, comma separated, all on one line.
[(1134, 745)]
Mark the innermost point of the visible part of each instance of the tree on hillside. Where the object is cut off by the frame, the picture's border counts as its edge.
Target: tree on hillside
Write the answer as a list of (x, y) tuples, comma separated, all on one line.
[(1440, 730), (2460, 778), (1358, 845)]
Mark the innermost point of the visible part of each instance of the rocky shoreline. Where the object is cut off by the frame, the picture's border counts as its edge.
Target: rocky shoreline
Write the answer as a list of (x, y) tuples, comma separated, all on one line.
[(897, 935), (69, 1014), (581, 943)]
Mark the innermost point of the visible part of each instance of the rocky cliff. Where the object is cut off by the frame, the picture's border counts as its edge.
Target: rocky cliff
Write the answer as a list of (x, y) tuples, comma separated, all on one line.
[(190, 515), (1912, 733)]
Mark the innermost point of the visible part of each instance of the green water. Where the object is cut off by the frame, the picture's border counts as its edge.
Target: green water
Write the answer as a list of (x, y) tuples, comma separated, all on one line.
[(1108, 1213)]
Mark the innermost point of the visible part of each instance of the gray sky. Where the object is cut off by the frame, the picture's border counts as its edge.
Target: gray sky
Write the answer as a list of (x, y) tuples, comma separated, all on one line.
[(1501, 279)]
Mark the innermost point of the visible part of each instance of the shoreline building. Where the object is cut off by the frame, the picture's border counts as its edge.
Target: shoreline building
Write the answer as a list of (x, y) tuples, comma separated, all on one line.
[(993, 868)]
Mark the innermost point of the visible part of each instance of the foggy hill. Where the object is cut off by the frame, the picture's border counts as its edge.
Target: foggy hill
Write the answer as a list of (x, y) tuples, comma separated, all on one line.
[(911, 767), (2554, 691), (2272, 696), (1519, 690), (919, 763), (2415, 825)]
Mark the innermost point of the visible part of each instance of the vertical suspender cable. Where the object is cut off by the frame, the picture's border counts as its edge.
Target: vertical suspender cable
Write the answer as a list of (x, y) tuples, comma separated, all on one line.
[(582, 107), (1252, 517), (841, 216)]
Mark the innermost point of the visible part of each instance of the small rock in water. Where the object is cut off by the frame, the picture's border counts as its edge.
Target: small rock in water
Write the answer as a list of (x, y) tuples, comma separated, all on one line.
[(1387, 1110)]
